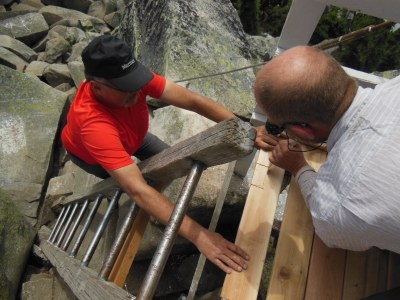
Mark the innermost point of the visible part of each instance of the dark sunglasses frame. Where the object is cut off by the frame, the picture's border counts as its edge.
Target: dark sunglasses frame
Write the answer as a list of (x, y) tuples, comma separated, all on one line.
[(277, 130)]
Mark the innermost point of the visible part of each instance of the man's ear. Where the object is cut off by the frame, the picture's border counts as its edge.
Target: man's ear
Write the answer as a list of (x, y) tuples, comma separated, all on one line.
[(304, 132)]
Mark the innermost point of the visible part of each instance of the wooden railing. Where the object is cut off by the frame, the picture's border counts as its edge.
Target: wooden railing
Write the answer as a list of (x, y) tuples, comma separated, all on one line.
[(304, 267)]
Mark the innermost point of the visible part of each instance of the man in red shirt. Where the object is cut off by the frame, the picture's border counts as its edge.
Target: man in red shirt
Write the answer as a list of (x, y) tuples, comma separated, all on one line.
[(108, 123)]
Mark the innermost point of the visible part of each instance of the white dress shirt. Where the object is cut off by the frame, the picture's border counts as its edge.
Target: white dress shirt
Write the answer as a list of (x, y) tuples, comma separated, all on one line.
[(354, 198)]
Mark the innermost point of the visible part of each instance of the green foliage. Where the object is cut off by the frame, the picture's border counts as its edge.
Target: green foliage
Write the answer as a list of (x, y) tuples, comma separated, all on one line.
[(249, 13), (378, 51)]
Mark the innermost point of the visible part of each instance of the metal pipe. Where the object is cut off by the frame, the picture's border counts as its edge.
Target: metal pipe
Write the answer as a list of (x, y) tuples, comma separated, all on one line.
[(65, 229), (57, 224), (213, 224), (76, 224), (96, 238), (61, 223), (85, 227), (160, 257), (119, 241)]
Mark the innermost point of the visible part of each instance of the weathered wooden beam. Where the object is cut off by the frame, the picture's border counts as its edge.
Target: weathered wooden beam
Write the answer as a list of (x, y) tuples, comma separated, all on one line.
[(84, 282), (226, 141)]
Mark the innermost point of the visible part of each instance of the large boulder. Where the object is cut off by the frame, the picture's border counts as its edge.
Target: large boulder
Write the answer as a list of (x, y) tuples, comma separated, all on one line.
[(29, 116), (25, 27), (185, 39), (16, 240)]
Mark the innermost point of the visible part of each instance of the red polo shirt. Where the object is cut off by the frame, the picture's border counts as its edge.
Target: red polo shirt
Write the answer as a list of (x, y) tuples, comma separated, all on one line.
[(99, 134)]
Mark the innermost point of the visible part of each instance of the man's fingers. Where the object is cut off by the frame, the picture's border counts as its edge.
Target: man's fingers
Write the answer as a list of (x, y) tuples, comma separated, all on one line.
[(231, 263), (222, 266), (236, 249)]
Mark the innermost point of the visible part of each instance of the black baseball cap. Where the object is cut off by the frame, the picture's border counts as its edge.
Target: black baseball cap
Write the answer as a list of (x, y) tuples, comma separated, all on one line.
[(111, 58)]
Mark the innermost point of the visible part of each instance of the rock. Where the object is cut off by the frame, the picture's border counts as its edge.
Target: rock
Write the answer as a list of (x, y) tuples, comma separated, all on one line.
[(59, 187), (19, 48), (25, 147), (79, 5), (203, 38), (54, 14), (5, 2), (16, 236), (27, 27), (114, 19), (23, 7), (262, 48), (33, 3), (76, 70), (12, 60), (77, 51), (36, 68), (97, 9), (56, 74), (56, 48), (38, 287)]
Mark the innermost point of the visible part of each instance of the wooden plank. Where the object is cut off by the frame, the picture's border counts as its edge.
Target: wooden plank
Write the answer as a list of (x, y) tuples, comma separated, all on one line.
[(83, 281), (326, 272), (376, 274), (129, 250), (222, 143), (292, 255), (327, 265), (255, 229), (365, 273), (393, 279), (355, 275)]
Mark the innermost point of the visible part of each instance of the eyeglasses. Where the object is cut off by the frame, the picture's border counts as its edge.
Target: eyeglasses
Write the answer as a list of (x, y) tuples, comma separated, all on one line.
[(295, 143)]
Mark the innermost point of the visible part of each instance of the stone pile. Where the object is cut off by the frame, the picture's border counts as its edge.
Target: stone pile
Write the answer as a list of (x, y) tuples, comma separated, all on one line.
[(40, 47), (46, 40)]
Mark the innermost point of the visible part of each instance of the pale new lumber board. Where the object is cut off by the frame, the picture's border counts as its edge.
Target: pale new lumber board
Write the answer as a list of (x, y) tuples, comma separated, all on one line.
[(83, 282), (255, 229), (292, 255), (225, 142)]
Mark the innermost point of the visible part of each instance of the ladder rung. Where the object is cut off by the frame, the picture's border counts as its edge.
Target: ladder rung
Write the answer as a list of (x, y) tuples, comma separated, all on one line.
[(65, 229), (63, 218), (76, 224), (53, 232), (85, 227)]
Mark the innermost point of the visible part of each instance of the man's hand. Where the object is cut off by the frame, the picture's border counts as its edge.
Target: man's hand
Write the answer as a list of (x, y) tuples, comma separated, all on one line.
[(282, 157), (264, 140), (224, 254)]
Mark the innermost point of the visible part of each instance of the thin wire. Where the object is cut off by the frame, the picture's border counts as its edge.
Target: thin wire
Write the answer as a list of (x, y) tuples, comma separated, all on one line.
[(222, 73)]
